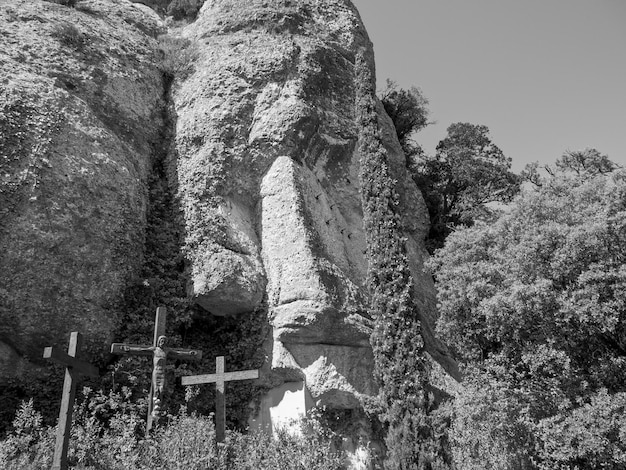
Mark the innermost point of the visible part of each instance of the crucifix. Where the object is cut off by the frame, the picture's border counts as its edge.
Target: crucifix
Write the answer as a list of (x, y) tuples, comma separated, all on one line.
[(73, 368), (160, 353), (220, 378)]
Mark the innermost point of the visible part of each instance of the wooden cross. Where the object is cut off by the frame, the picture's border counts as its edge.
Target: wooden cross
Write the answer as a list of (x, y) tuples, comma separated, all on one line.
[(220, 378), (160, 353), (73, 368)]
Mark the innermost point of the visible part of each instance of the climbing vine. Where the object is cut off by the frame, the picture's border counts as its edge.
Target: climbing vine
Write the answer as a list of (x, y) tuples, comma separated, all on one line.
[(400, 366)]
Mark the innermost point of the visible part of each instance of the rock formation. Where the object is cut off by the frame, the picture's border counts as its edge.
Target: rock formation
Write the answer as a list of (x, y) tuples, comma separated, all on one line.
[(266, 151), (263, 160), (80, 112)]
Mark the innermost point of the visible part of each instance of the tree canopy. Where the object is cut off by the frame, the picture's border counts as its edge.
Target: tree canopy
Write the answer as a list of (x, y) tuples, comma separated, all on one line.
[(467, 172), (408, 109), (534, 304)]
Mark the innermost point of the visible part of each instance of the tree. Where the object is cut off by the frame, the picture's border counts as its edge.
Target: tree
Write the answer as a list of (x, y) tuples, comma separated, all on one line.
[(409, 113), (466, 174), (534, 304), (581, 163), (399, 362)]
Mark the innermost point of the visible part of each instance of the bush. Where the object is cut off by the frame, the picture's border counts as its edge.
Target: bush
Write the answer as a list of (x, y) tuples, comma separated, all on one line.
[(491, 429), (185, 441), (177, 57), (68, 35), (30, 445), (590, 436), (181, 9)]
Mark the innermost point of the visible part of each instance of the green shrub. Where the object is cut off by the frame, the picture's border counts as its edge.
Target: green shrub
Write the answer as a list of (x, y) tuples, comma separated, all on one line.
[(68, 35), (30, 445), (492, 428), (590, 436), (181, 9), (183, 441), (399, 363), (177, 57)]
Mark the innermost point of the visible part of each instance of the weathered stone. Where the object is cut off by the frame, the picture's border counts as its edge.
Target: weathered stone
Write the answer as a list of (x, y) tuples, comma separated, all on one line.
[(80, 101), (266, 154), (264, 163)]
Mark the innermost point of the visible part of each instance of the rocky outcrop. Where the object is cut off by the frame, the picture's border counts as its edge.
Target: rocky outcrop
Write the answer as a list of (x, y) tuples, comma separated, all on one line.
[(267, 169), (80, 101), (265, 143), (263, 161)]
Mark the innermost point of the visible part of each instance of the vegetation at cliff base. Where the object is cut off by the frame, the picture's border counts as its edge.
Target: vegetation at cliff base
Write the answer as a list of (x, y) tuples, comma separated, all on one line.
[(107, 434)]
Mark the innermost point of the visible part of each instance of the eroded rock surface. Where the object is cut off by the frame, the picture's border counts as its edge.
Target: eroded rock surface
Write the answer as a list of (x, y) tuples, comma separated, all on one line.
[(264, 162), (80, 101), (268, 181)]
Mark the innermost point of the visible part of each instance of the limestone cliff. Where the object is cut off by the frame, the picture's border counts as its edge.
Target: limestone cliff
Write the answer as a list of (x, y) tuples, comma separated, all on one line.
[(263, 161), (80, 111), (266, 153)]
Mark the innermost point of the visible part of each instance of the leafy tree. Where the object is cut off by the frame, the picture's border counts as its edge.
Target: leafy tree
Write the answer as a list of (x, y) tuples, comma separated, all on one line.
[(535, 305), (409, 113), (467, 172), (581, 163)]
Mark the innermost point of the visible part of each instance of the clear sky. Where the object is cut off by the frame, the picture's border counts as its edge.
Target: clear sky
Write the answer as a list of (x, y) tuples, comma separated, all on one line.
[(544, 75)]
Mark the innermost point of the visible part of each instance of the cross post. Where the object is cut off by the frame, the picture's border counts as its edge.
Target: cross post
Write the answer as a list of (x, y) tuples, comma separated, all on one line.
[(73, 368), (160, 353), (220, 378)]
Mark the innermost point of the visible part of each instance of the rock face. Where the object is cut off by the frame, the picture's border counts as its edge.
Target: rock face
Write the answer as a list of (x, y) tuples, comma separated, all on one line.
[(267, 170), (263, 160), (266, 125), (80, 101)]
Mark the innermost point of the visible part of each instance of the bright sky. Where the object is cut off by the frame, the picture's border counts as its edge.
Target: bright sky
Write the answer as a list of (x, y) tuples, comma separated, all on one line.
[(544, 75)]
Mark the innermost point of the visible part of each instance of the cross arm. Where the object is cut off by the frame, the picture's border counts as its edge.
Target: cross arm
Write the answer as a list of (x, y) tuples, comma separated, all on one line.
[(186, 354), (225, 377), (61, 357), (134, 349)]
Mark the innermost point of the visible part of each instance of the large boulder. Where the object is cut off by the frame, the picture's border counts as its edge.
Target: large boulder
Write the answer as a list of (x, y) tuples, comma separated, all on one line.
[(80, 112), (267, 172)]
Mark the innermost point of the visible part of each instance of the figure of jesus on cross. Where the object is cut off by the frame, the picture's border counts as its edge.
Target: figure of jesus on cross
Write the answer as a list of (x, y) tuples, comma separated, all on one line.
[(160, 354)]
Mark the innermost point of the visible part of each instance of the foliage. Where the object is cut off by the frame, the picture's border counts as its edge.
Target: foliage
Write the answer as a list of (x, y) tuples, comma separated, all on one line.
[(177, 57), (44, 388), (180, 9), (68, 35), (581, 163), (400, 366), (491, 429), (467, 172), (186, 441), (30, 443), (409, 113), (535, 305), (590, 436)]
